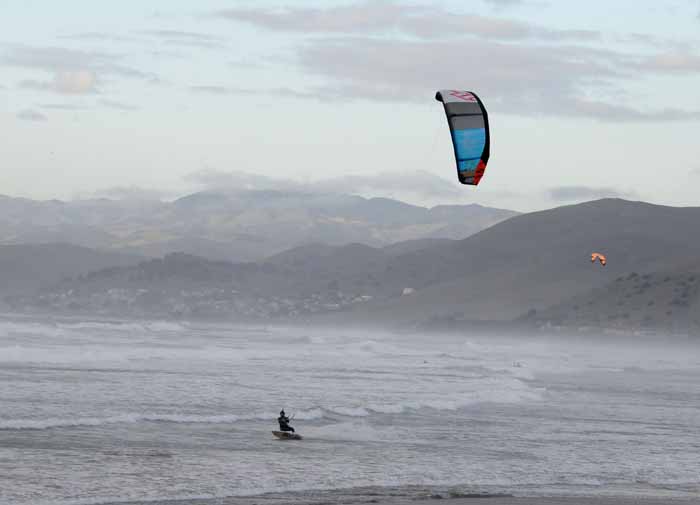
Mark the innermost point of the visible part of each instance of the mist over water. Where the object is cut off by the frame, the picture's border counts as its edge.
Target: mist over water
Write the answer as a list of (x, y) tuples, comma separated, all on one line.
[(95, 412)]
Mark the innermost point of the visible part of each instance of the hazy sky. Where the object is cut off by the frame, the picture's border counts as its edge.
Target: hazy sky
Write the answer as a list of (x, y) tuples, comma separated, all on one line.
[(586, 99)]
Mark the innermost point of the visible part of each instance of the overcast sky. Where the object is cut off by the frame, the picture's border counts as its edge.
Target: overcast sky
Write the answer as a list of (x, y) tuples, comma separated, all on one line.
[(586, 99)]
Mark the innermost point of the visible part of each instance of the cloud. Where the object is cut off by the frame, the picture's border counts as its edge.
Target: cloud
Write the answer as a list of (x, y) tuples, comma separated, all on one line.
[(185, 38), (58, 59), (67, 82), (238, 181), (671, 63), (163, 36), (420, 21), (31, 115), (36, 85), (527, 69), (63, 106), (75, 82), (158, 43), (619, 113), (246, 63), (74, 72), (95, 37), (364, 17), (520, 79), (504, 3), (278, 92), (129, 193), (575, 193), (420, 184), (518, 76), (212, 90), (112, 104), (545, 101)]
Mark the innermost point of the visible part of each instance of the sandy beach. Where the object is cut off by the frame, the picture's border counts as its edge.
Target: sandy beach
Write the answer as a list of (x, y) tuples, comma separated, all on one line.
[(571, 501), (293, 498), (483, 500)]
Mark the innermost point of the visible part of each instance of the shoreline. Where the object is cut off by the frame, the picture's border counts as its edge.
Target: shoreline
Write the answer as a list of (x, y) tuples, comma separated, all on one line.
[(569, 500), (427, 496), (475, 499)]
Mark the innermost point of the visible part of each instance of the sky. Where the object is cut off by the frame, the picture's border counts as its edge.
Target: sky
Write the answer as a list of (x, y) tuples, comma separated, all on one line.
[(586, 99)]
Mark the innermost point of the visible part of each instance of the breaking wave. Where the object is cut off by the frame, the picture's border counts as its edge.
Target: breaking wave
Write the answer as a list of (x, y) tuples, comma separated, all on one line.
[(148, 326), (44, 424), (316, 413)]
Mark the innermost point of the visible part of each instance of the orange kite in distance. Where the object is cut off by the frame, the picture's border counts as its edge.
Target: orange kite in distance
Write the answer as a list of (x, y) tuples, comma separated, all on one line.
[(600, 257)]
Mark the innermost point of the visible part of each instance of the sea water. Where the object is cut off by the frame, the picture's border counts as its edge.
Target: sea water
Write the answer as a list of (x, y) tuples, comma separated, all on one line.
[(115, 411)]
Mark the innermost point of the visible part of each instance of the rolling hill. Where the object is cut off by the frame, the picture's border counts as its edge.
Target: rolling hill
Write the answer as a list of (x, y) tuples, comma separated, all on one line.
[(243, 225), (532, 267), (536, 260), (667, 300), (28, 267)]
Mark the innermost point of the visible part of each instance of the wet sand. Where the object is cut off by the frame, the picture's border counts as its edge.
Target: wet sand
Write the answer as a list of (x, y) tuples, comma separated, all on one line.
[(568, 501), (292, 499), (280, 499)]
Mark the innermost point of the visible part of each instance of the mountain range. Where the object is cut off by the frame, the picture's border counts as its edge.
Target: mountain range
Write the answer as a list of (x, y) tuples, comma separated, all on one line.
[(531, 270), (244, 225)]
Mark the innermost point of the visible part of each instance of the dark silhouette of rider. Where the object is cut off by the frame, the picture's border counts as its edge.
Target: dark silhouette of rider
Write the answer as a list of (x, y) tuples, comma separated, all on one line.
[(284, 422)]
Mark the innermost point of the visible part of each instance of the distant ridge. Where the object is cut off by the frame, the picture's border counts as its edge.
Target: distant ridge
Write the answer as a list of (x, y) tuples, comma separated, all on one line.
[(529, 270), (246, 225), (28, 267), (666, 301), (533, 261)]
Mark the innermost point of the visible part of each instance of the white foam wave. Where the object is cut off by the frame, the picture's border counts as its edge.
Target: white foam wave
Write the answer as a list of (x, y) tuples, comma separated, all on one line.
[(388, 408), (8, 328), (44, 424), (147, 326), (513, 395), (350, 411), (165, 326)]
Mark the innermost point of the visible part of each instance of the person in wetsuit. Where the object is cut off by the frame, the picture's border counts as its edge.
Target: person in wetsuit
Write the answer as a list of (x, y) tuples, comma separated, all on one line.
[(284, 422)]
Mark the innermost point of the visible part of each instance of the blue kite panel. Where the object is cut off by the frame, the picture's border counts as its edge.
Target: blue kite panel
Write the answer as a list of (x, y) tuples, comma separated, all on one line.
[(469, 144), (467, 165)]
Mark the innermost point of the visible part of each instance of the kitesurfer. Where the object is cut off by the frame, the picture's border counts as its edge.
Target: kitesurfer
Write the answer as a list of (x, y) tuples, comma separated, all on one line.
[(284, 422)]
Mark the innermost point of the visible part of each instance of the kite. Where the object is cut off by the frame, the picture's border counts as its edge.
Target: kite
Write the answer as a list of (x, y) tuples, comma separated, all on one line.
[(600, 257), (469, 127)]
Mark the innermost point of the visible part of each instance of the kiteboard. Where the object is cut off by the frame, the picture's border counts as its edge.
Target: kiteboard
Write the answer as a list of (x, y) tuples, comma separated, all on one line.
[(286, 435)]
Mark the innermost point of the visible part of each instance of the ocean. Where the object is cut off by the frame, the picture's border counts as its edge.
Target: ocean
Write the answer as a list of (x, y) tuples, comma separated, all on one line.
[(95, 412)]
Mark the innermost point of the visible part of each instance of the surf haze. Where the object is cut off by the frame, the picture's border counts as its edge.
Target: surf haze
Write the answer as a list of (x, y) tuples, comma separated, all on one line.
[(237, 268), (180, 400)]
